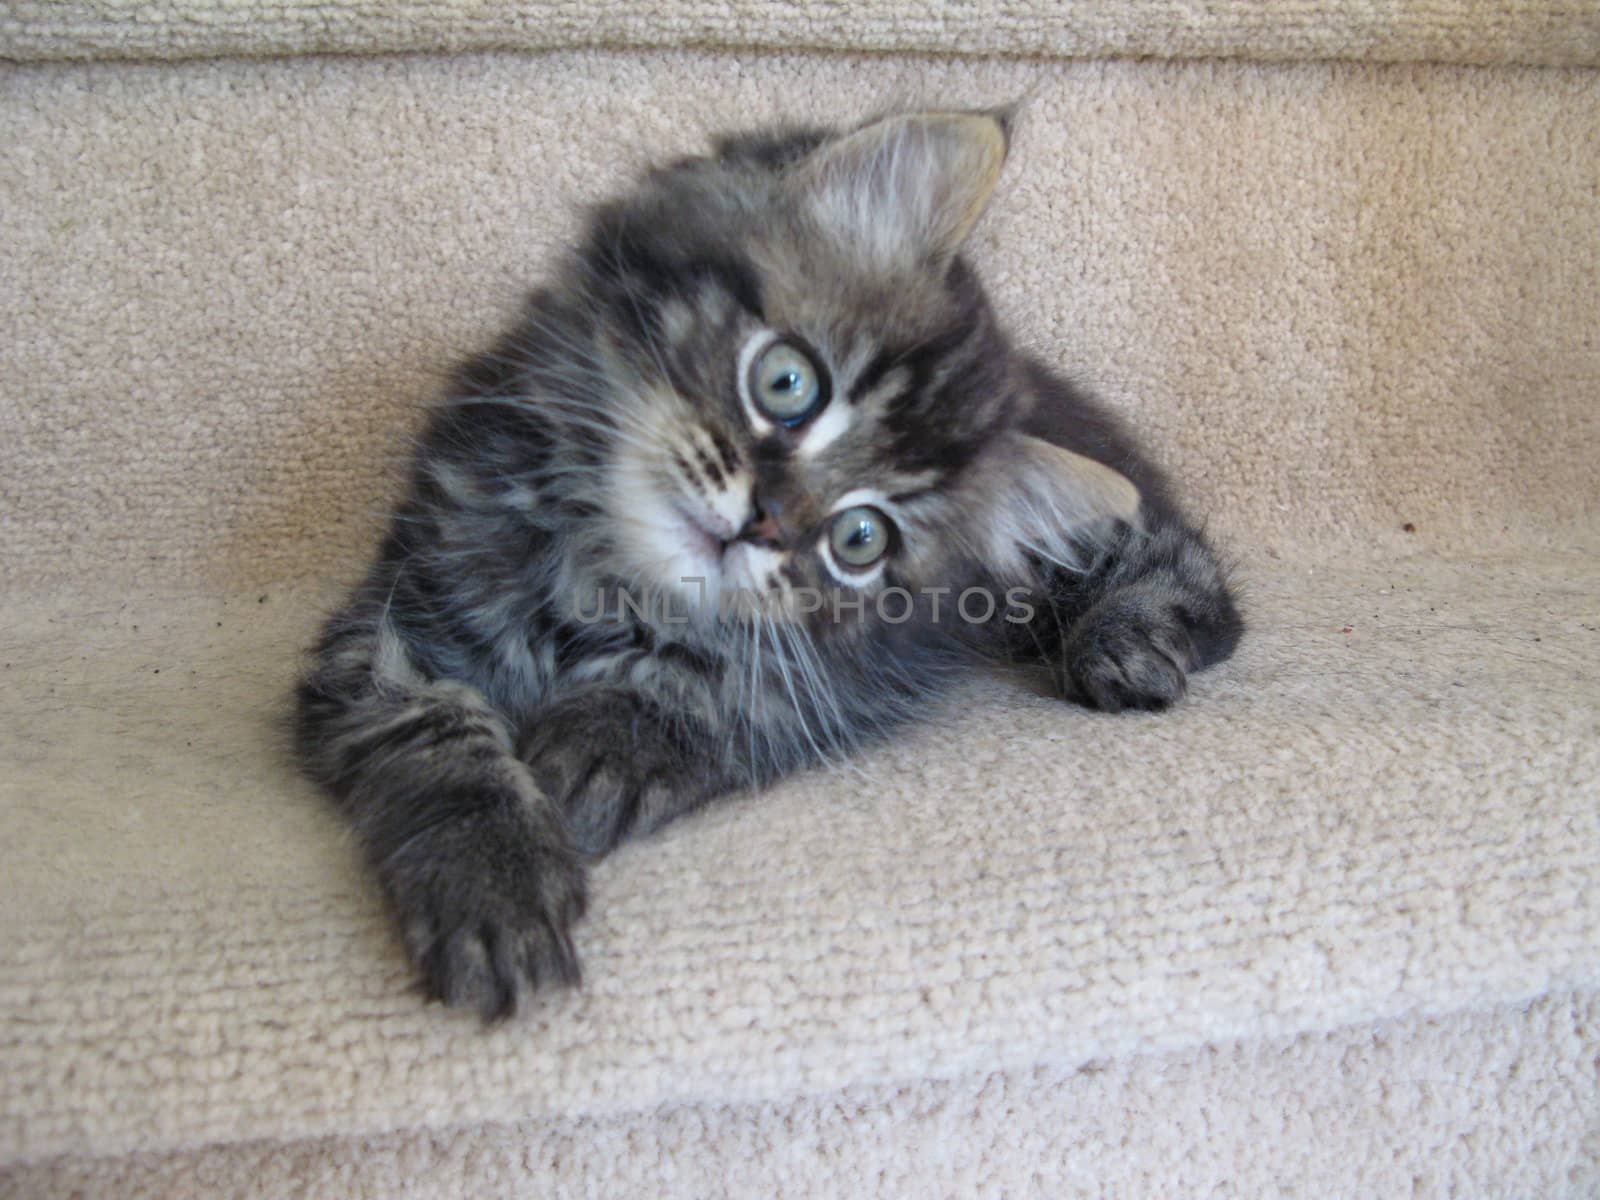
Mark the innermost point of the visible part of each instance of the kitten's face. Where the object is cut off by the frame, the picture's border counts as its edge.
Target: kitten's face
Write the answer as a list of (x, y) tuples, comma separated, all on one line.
[(813, 399), (789, 455)]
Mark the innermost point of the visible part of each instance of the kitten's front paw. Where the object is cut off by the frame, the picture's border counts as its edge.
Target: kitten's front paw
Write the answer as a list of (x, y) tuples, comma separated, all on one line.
[(1129, 652), (487, 906), (608, 761)]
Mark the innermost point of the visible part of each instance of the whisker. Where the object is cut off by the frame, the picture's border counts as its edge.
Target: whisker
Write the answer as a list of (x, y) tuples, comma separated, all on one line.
[(794, 698)]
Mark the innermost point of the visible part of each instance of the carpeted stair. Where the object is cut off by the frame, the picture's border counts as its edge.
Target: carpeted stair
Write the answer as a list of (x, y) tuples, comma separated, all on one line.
[(1330, 929)]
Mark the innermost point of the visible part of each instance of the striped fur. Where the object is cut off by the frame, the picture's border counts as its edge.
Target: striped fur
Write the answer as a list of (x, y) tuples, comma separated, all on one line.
[(487, 713)]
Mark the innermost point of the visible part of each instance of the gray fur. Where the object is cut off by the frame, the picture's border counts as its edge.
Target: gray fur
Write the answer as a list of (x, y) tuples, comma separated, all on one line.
[(486, 736)]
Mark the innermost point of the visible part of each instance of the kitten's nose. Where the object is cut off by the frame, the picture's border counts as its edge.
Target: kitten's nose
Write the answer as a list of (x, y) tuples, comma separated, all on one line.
[(762, 528), (778, 509)]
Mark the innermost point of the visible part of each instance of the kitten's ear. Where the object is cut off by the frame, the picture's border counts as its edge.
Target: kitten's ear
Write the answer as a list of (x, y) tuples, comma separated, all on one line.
[(1047, 502), (906, 189)]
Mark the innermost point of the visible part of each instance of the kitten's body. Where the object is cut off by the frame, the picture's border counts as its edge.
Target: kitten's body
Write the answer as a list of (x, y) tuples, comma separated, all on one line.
[(486, 731)]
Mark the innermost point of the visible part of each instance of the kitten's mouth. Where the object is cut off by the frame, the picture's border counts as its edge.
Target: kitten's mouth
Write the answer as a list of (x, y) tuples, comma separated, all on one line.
[(726, 560), (726, 556)]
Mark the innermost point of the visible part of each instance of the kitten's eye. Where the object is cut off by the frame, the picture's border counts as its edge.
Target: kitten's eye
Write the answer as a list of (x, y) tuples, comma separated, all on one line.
[(786, 384), (860, 536)]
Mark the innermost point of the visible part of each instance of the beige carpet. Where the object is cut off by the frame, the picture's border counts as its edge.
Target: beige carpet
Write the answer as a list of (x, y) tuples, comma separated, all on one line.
[(1332, 928), (1523, 32), (1339, 1111)]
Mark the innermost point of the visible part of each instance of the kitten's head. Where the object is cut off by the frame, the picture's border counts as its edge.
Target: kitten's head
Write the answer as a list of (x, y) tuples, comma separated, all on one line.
[(808, 392)]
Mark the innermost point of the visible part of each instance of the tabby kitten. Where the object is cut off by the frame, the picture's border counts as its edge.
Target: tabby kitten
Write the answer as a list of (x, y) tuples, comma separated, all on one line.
[(765, 375)]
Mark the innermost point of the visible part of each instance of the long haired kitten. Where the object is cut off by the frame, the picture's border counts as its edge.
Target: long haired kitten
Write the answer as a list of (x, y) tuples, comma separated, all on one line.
[(753, 475)]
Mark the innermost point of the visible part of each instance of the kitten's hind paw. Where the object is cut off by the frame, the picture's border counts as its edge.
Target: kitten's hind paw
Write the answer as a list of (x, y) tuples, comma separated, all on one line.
[(488, 916), (1128, 652)]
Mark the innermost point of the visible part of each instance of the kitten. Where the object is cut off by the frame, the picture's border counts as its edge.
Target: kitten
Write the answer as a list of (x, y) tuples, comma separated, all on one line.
[(705, 515)]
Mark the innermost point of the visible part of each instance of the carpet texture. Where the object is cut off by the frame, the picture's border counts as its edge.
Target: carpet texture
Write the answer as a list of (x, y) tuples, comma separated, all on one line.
[(1342, 1109), (1520, 32), (1332, 927), (1337, 299)]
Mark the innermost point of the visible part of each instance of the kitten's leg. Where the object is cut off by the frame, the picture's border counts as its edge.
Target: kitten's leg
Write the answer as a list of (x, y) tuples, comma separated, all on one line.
[(620, 764), (1153, 603), (473, 856), (1153, 606)]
